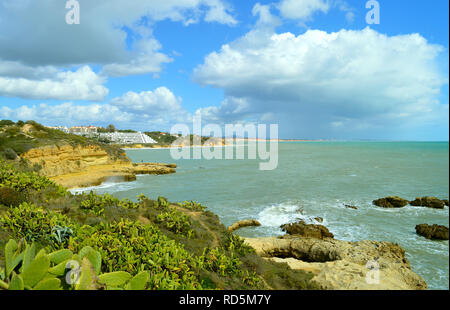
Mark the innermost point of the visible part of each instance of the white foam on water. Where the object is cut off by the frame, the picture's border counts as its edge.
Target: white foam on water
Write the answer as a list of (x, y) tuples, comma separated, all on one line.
[(105, 185), (284, 213)]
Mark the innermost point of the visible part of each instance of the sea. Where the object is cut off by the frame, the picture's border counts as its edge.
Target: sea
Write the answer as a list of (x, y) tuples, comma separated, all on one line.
[(317, 179)]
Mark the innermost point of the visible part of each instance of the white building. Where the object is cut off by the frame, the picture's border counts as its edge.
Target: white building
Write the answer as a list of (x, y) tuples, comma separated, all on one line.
[(127, 138)]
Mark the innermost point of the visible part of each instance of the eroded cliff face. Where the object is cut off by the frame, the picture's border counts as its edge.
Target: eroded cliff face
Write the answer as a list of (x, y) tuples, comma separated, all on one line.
[(66, 159)]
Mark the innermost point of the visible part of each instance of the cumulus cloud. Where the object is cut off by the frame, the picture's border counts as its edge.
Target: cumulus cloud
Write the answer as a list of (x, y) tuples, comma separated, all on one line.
[(153, 110), (49, 83), (100, 37), (113, 34), (159, 104), (302, 9), (320, 83)]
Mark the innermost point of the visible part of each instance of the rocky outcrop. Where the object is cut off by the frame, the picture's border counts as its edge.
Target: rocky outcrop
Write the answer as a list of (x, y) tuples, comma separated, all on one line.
[(307, 230), (445, 201), (243, 223), (58, 160), (343, 265), (437, 232), (121, 172), (391, 202), (429, 202), (89, 165)]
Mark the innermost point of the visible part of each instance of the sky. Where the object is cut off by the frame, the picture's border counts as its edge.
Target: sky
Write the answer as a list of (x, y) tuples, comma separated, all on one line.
[(316, 68)]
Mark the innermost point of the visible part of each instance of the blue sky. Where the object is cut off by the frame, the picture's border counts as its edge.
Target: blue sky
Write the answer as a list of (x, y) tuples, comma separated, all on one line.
[(314, 67)]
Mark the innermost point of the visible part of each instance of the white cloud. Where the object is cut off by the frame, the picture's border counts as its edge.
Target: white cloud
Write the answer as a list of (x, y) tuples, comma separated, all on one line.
[(145, 60), (160, 103), (49, 83), (154, 110), (302, 9), (101, 37), (360, 79)]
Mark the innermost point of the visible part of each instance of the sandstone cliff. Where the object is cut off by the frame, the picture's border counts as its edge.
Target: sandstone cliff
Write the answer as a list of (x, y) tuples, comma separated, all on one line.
[(89, 165), (66, 159)]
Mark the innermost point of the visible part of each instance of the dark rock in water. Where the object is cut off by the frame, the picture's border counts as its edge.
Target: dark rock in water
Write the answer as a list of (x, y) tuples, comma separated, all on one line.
[(351, 207), (391, 202), (435, 231), (445, 201), (307, 230), (429, 202), (319, 219)]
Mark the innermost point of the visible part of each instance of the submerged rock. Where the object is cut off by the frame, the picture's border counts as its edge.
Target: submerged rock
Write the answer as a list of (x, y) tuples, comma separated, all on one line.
[(391, 202), (307, 230), (351, 207), (435, 231), (343, 265), (429, 202), (243, 223)]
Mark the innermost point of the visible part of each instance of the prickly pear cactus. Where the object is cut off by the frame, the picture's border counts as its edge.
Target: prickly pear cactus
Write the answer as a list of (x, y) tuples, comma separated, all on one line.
[(62, 269)]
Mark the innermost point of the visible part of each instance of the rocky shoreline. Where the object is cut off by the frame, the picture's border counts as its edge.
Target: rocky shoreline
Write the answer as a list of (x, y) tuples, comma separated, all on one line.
[(343, 265), (337, 264), (84, 166), (121, 172)]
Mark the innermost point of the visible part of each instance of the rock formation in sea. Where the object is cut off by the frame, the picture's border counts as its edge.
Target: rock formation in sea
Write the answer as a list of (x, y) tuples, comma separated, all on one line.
[(438, 232), (429, 202), (391, 202), (302, 229)]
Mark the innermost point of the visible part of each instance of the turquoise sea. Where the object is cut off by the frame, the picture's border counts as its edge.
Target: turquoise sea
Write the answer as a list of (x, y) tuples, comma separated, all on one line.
[(318, 179)]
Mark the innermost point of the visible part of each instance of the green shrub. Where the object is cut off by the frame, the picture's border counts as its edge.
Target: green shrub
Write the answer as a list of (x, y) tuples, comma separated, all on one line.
[(9, 153), (193, 206), (10, 197), (6, 122), (62, 269), (176, 222), (35, 224), (133, 247), (96, 204), (27, 181)]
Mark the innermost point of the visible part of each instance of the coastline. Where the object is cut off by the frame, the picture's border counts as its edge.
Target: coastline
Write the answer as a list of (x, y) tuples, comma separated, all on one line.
[(294, 263), (120, 172)]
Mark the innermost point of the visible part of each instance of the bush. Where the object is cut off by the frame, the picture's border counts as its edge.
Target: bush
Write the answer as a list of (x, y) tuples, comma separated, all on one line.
[(35, 224), (133, 247), (9, 153), (9, 197), (6, 122)]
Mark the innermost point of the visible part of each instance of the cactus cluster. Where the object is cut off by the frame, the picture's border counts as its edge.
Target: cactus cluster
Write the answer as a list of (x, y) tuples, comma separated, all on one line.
[(193, 206), (25, 181), (95, 204), (62, 269)]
